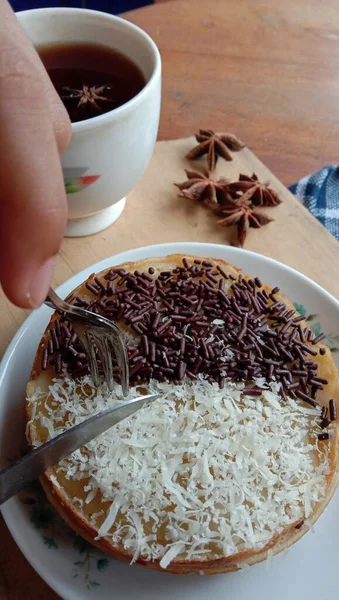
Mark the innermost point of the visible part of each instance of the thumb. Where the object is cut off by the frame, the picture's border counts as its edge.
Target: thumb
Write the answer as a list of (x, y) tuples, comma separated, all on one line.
[(33, 206)]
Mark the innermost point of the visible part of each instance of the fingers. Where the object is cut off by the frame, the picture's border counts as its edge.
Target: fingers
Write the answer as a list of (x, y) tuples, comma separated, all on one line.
[(59, 115), (10, 29), (33, 208)]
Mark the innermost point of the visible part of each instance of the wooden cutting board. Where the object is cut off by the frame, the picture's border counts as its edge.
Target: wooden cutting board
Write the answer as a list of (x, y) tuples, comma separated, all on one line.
[(155, 214)]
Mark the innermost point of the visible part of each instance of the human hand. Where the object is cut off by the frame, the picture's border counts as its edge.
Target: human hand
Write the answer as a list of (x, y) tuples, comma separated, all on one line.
[(34, 131)]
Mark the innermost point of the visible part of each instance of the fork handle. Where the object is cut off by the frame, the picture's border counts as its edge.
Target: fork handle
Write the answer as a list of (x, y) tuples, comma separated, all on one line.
[(53, 300)]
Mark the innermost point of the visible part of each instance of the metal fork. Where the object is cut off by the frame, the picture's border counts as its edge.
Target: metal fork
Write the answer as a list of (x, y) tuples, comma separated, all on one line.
[(96, 332)]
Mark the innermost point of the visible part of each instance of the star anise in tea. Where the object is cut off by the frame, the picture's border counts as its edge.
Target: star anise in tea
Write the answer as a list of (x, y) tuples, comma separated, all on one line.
[(88, 97), (214, 145), (244, 216), (250, 188), (200, 186)]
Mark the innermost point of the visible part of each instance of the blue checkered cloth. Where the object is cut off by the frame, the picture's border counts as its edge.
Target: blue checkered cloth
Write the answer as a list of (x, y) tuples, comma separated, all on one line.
[(319, 193)]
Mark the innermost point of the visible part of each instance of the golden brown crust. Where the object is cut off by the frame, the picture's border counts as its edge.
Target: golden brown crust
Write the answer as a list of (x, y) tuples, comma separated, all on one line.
[(62, 503)]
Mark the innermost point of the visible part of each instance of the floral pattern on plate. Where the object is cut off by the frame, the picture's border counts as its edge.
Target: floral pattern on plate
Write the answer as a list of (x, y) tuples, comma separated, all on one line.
[(331, 339), (55, 533)]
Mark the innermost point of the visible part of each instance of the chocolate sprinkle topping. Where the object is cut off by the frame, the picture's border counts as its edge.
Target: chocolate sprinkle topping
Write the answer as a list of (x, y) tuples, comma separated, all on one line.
[(197, 319), (333, 410), (44, 359)]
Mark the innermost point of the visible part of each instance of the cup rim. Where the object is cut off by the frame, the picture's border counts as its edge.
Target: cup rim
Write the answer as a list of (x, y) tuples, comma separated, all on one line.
[(99, 120)]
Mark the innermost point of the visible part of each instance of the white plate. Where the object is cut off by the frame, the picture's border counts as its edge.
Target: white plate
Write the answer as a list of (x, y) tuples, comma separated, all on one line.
[(75, 570)]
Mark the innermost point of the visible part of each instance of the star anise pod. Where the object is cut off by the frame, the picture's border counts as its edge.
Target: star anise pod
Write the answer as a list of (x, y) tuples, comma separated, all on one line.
[(250, 189), (214, 146), (88, 96), (200, 186), (242, 215)]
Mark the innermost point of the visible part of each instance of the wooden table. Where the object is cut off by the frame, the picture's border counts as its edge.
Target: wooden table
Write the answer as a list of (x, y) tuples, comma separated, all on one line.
[(267, 70)]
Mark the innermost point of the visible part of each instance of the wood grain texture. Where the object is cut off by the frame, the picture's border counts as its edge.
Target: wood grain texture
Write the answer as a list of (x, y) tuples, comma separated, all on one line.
[(18, 579), (265, 69), (155, 214)]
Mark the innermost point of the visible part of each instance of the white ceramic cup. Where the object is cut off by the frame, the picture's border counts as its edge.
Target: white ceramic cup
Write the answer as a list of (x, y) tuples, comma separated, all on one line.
[(108, 153)]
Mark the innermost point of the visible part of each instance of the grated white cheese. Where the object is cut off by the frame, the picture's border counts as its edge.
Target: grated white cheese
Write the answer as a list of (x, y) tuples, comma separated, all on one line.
[(201, 472), (171, 554)]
